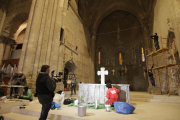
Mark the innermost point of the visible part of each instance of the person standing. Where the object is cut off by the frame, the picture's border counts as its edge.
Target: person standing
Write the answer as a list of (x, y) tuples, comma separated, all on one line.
[(45, 87), (156, 43), (73, 84)]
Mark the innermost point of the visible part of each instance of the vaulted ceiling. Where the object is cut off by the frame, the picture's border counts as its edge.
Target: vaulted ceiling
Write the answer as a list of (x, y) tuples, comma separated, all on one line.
[(4, 4), (93, 12)]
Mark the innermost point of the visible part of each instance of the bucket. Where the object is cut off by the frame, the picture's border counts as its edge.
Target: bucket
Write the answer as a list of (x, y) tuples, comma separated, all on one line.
[(107, 108), (76, 102), (82, 110)]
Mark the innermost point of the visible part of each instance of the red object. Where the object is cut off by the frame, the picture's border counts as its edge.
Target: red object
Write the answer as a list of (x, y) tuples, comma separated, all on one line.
[(66, 89), (112, 95)]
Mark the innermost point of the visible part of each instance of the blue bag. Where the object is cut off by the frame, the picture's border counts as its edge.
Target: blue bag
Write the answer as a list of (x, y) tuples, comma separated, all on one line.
[(55, 105), (123, 108)]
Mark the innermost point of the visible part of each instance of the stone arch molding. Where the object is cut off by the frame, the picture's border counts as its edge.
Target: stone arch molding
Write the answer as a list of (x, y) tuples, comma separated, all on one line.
[(22, 27), (13, 24), (124, 7), (70, 65)]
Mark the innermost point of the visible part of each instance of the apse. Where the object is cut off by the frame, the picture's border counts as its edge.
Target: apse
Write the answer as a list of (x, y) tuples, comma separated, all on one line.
[(120, 34)]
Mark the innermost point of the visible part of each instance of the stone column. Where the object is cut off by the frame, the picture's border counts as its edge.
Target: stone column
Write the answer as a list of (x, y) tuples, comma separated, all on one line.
[(93, 58), (25, 41), (2, 21), (41, 42), (51, 32), (1, 44), (1, 52), (40, 46), (46, 35), (60, 66), (32, 36), (55, 55), (7, 52)]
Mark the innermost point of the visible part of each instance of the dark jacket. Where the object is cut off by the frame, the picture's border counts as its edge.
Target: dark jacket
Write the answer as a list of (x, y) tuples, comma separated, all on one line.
[(155, 37), (45, 88), (73, 80), (22, 79)]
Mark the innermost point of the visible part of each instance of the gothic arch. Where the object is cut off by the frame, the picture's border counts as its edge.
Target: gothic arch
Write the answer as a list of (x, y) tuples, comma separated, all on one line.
[(115, 7), (70, 65), (15, 22)]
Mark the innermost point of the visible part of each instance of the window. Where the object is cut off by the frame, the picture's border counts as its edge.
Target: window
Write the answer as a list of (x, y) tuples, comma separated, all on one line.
[(19, 46), (143, 58), (99, 58), (61, 34), (120, 59)]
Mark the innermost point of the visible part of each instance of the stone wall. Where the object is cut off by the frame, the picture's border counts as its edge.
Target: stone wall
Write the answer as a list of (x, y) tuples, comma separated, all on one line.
[(43, 45), (79, 42), (164, 10), (116, 34), (1, 15), (166, 19)]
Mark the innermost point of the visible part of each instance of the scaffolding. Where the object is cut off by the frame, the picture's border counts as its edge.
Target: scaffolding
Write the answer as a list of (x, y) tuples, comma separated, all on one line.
[(166, 66)]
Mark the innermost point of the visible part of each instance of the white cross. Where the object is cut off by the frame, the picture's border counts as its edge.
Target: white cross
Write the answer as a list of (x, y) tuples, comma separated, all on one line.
[(102, 73)]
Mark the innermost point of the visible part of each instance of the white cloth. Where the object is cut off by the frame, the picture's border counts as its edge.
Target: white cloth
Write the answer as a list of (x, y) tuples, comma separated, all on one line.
[(59, 98)]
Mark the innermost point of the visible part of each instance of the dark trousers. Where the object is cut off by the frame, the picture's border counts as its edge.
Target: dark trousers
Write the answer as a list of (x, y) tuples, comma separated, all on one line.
[(25, 98), (1, 92), (152, 81), (73, 87), (156, 44), (44, 111), (15, 90)]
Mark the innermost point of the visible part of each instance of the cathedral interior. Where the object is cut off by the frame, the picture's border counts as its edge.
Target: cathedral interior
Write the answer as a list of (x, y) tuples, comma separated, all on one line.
[(136, 41), (81, 36)]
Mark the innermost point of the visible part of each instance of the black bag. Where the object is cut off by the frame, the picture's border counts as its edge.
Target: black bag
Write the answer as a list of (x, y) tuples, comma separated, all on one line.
[(67, 101), (1, 118), (1, 92), (59, 92)]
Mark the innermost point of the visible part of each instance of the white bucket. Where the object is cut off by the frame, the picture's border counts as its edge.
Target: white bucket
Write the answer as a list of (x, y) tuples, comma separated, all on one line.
[(107, 108), (76, 102)]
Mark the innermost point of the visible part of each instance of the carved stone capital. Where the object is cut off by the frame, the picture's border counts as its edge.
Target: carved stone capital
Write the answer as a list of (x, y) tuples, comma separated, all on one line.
[(7, 41)]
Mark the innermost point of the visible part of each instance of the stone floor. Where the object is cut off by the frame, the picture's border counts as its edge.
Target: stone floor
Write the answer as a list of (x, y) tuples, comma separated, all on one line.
[(144, 111)]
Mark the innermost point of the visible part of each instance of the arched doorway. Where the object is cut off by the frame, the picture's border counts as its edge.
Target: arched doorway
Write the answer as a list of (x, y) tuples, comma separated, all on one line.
[(69, 70)]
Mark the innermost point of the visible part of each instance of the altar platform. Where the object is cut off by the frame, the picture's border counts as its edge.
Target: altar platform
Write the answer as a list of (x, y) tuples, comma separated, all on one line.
[(93, 92), (149, 110)]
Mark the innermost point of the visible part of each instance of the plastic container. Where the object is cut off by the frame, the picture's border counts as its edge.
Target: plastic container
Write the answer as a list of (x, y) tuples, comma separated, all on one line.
[(108, 108), (76, 102), (82, 110)]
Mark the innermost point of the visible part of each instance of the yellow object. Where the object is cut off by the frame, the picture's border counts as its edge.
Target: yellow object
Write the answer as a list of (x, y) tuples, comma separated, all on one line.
[(120, 59), (99, 58)]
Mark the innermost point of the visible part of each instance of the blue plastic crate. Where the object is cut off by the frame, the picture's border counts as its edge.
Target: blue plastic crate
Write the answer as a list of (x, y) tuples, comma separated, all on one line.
[(123, 108)]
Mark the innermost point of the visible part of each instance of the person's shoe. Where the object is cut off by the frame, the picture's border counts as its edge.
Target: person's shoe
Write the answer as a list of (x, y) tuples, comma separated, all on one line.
[(112, 104), (21, 107), (10, 97)]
